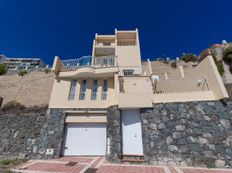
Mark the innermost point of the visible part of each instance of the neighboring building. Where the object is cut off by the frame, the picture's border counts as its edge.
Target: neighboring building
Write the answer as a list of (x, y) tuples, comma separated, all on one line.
[(22, 63), (111, 83)]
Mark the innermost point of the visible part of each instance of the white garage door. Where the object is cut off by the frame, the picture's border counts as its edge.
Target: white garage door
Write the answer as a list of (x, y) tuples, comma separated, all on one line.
[(85, 139)]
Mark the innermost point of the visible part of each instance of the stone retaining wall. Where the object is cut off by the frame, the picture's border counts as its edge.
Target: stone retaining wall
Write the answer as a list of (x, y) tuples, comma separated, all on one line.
[(193, 134), (28, 133), (114, 134)]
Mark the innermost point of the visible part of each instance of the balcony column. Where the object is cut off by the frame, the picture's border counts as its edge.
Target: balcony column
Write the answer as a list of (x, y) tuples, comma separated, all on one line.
[(115, 61), (149, 68), (182, 71), (166, 76)]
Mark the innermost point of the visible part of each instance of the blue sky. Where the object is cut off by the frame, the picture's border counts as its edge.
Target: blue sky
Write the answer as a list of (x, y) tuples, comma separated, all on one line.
[(45, 28)]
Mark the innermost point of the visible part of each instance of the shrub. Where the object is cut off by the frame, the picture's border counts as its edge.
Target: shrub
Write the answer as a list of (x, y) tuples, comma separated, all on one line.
[(227, 54), (6, 164), (22, 72), (220, 67), (189, 57), (3, 69), (173, 64), (13, 105), (47, 70), (165, 62)]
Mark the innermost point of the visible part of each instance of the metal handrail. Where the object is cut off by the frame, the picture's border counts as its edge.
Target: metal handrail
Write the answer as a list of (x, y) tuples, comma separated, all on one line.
[(75, 63), (89, 61)]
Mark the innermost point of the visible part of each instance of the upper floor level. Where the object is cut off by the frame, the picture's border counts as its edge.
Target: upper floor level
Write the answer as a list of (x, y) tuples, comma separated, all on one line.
[(111, 53), (113, 75)]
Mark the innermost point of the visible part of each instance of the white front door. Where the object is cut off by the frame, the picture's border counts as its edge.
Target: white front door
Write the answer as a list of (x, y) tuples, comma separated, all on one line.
[(131, 131), (85, 139)]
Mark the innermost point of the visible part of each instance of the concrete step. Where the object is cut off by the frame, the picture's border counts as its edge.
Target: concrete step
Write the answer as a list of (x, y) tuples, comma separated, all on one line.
[(133, 158)]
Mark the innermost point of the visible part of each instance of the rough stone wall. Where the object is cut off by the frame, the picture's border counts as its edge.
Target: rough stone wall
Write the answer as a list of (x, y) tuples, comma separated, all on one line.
[(193, 134), (51, 134), (32, 89), (114, 134), (28, 133)]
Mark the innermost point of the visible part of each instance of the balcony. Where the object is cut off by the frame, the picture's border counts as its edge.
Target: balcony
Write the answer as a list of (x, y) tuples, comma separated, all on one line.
[(190, 84), (105, 41), (194, 88), (104, 44), (87, 66), (126, 42), (89, 61)]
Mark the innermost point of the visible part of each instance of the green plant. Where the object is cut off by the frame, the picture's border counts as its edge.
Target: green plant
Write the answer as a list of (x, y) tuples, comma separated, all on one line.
[(210, 165), (227, 54), (3, 69), (47, 70), (22, 72), (173, 64), (165, 62), (189, 57), (12, 105), (7, 164), (220, 67), (227, 57)]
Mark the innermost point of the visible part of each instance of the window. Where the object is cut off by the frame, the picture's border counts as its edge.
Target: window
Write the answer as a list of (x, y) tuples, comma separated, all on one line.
[(104, 90), (128, 72), (94, 90), (82, 90), (72, 91)]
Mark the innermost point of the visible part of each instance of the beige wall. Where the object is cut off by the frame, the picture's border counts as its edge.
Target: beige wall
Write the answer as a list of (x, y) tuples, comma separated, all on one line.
[(86, 118), (129, 56), (32, 89), (88, 72), (137, 84), (137, 93), (183, 97), (134, 100), (208, 68), (61, 87)]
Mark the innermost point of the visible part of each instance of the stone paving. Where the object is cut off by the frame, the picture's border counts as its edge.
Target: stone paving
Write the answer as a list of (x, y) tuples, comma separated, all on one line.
[(100, 165)]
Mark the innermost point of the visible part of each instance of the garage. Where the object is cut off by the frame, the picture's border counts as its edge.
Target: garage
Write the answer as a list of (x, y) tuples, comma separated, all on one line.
[(85, 139)]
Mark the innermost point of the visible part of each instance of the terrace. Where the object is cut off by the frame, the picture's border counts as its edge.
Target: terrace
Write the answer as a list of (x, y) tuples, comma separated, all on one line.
[(89, 61)]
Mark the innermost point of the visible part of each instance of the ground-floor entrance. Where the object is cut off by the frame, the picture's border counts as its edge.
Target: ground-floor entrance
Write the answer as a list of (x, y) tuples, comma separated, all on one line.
[(85, 139), (131, 132)]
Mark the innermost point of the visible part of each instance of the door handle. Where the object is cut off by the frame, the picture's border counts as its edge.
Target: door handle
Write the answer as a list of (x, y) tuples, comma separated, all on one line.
[(65, 148)]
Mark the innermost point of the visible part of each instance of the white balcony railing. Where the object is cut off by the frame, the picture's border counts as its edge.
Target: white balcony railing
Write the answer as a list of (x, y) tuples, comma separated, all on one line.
[(104, 61), (76, 63), (126, 42), (105, 44), (89, 61), (189, 84)]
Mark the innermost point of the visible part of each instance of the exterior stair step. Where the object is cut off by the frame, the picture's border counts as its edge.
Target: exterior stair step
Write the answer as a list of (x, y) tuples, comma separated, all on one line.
[(133, 158)]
